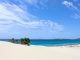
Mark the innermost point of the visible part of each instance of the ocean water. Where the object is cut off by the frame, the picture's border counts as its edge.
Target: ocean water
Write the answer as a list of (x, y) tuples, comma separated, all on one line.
[(54, 42), (47, 42)]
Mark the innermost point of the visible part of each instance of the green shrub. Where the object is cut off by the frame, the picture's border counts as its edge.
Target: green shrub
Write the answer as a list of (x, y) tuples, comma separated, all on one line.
[(25, 41)]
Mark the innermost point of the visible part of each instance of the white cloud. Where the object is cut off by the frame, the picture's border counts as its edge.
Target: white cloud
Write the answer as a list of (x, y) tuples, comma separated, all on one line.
[(12, 12), (70, 4), (74, 6), (14, 17)]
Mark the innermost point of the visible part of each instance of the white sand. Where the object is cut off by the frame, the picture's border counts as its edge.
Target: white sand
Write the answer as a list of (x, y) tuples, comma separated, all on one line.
[(10, 51)]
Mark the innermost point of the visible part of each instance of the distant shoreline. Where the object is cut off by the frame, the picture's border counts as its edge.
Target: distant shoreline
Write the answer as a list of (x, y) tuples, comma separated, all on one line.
[(49, 39)]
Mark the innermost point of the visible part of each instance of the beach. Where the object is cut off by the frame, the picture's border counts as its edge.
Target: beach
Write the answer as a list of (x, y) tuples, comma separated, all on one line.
[(11, 51)]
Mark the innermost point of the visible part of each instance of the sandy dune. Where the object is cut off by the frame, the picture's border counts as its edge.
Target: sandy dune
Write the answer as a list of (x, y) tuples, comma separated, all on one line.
[(10, 51)]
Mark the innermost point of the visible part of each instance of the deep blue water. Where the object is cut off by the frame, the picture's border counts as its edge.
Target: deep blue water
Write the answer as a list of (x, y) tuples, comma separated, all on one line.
[(54, 42)]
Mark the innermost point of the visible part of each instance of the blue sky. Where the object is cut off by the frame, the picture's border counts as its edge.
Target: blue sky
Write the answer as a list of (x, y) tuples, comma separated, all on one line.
[(45, 19)]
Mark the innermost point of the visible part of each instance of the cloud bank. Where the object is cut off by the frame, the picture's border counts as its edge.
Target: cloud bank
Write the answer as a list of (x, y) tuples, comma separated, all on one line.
[(13, 15)]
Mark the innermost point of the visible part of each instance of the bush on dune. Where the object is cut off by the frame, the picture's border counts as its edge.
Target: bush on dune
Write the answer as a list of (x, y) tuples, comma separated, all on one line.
[(25, 41)]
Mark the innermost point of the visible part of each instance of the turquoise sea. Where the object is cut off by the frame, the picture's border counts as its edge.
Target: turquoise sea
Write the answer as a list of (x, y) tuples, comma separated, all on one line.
[(46, 42)]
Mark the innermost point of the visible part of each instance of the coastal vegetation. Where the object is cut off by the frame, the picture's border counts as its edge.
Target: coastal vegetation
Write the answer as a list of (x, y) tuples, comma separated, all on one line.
[(24, 41)]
